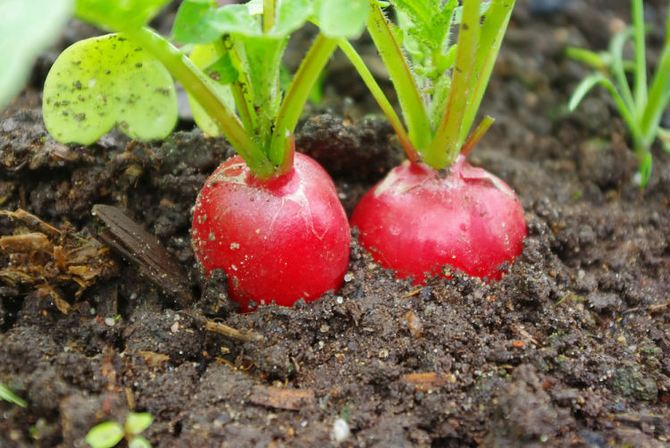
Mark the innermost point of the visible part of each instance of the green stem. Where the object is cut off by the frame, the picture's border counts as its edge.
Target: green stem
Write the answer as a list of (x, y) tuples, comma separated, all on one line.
[(477, 135), (269, 8), (242, 88), (409, 95), (195, 83), (640, 89), (492, 33), (618, 69), (586, 57), (447, 141), (297, 94), (659, 94), (378, 94)]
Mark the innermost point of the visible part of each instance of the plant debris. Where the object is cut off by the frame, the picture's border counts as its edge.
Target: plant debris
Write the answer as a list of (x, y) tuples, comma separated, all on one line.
[(50, 261), (281, 398)]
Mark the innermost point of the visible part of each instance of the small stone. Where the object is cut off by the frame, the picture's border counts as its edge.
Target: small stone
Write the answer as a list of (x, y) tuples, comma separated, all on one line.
[(109, 321), (601, 301), (348, 277), (340, 431)]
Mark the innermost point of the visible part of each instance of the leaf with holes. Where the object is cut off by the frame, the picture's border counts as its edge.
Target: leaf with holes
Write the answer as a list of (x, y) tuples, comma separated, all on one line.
[(108, 81)]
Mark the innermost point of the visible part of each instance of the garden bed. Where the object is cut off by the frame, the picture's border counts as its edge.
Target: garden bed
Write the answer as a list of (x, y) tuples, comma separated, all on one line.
[(571, 348)]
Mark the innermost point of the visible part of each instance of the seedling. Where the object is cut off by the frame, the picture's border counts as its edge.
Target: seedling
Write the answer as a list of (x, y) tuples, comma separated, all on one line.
[(110, 433), (269, 218), (640, 105), (436, 210), (26, 29), (8, 395)]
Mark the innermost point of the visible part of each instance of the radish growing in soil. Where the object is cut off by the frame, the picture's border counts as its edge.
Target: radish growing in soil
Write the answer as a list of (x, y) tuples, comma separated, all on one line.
[(269, 218), (435, 211)]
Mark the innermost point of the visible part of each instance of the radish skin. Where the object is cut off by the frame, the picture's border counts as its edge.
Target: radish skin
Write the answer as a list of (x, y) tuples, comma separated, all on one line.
[(277, 241), (418, 221)]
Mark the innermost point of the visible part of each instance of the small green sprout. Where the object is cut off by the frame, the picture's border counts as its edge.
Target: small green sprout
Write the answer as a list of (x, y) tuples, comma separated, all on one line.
[(641, 105), (26, 29), (110, 433), (439, 83), (8, 395)]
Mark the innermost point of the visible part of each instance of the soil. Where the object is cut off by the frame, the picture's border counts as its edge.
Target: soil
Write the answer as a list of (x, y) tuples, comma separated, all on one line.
[(571, 348)]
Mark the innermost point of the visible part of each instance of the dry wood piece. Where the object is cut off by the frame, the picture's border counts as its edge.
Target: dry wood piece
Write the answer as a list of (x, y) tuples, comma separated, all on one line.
[(414, 324), (27, 242), (144, 250), (427, 381), (280, 398), (153, 359), (225, 330), (32, 221), (659, 307), (50, 261)]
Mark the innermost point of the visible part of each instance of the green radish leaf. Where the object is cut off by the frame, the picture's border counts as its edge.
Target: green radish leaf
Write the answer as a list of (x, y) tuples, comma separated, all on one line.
[(202, 22), (118, 15), (338, 20), (234, 19), (8, 395), (139, 442), (193, 22), (205, 56), (291, 15), (105, 435), (255, 7), (223, 70), (136, 422), (108, 81), (26, 29)]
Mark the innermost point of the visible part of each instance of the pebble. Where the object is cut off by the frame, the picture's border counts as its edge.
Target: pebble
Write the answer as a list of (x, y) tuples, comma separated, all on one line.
[(340, 431)]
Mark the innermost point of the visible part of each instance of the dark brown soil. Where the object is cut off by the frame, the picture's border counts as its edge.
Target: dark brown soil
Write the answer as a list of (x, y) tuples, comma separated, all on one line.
[(572, 348)]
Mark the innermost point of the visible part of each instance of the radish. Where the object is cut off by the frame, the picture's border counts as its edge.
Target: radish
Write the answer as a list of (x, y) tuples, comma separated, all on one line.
[(435, 212), (270, 219), (279, 240), (418, 220)]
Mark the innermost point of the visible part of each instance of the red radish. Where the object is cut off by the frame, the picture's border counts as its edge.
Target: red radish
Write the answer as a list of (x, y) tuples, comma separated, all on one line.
[(417, 221), (279, 240), (436, 210)]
